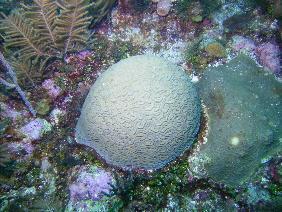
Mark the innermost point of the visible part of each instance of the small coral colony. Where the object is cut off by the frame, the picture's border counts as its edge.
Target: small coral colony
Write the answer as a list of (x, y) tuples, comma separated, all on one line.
[(140, 105)]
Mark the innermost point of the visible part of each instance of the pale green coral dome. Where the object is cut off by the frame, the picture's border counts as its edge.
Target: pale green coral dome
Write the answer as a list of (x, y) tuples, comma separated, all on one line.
[(142, 112)]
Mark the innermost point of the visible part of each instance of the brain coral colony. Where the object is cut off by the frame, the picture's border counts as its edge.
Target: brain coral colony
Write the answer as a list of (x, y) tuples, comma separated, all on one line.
[(140, 105), (142, 113)]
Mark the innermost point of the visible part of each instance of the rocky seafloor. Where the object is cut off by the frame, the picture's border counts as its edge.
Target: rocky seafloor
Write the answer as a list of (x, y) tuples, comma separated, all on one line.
[(231, 52)]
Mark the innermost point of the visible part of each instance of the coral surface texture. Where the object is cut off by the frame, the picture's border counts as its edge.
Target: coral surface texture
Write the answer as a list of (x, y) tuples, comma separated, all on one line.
[(142, 112)]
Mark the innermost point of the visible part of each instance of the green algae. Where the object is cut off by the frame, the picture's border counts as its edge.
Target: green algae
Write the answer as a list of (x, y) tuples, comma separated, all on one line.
[(207, 6), (194, 55), (244, 119), (43, 107), (140, 5), (197, 18), (152, 190), (101, 205), (111, 52), (215, 49)]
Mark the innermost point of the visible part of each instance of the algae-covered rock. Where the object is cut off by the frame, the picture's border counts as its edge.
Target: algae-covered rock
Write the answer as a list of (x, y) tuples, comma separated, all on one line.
[(35, 129), (43, 107), (215, 49), (142, 112), (244, 108), (197, 18), (91, 189)]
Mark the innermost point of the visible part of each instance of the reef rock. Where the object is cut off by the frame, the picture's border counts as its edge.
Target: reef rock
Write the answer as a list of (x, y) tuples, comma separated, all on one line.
[(163, 7), (269, 55), (52, 89), (244, 108), (243, 44), (91, 190), (35, 129), (142, 112)]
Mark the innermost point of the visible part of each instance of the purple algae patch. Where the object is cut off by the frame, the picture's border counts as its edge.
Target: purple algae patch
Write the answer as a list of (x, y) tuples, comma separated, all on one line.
[(91, 183)]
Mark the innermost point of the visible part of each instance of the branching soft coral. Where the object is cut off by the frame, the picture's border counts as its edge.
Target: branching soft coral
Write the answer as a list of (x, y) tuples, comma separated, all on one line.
[(100, 9), (11, 75), (46, 30), (43, 14), (72, 25), (21, 35)]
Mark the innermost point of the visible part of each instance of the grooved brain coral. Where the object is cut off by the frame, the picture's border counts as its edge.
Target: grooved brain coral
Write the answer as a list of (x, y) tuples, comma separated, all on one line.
[(142, 112)]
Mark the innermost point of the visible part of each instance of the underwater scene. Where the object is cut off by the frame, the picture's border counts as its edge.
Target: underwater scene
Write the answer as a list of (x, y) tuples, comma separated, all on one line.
[(140, 105)]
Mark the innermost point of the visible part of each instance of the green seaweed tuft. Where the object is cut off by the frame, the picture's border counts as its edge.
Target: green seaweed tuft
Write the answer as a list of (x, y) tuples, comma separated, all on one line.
[(153, 190)]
